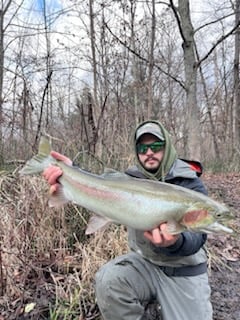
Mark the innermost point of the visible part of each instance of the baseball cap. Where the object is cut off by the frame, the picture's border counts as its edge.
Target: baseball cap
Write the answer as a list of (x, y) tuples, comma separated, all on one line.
[(151, 128)]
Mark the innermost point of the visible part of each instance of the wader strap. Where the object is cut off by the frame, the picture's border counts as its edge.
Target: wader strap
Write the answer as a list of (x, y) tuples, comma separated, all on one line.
[(186, 271)]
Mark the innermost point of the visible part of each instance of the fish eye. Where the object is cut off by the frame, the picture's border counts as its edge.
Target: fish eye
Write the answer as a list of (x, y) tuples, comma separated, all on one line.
[(219, 214)]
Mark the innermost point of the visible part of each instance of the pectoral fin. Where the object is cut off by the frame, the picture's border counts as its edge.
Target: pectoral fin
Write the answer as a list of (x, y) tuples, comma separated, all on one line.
[(57, 199), (96, 223), (173, 227)]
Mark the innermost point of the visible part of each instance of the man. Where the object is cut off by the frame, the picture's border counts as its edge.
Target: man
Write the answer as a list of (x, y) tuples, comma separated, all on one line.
[(160, 269)]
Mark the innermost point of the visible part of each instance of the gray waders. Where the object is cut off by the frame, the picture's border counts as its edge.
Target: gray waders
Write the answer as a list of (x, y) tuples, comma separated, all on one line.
[(127, 285)]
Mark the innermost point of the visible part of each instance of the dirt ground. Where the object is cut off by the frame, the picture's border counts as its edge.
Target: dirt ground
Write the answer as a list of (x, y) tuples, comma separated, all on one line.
[(224, 251)]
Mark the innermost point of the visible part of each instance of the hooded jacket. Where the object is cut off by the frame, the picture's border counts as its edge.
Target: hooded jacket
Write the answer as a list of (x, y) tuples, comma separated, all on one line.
[(188, 250)]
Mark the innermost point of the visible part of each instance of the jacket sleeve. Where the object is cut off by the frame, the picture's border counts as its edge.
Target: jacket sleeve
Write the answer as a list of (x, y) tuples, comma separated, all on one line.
[(188, 242), (193, 184)]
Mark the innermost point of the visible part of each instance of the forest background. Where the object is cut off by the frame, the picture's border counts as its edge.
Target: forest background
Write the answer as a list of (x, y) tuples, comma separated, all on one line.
[(86, 73)]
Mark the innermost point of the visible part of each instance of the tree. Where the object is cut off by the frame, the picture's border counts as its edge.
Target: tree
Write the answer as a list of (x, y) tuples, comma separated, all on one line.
[(151, 61), (237, 80), (192, 124), (3, 12)]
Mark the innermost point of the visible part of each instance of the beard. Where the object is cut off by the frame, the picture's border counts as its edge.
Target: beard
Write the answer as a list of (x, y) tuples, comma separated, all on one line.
[(152, 170), (149, 169)]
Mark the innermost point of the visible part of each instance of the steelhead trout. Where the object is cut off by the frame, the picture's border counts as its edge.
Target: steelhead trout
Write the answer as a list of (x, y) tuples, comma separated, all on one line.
[(138, 203)]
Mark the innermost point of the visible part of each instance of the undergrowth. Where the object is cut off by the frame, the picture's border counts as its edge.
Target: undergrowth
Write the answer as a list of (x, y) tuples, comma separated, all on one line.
[(47, 264)]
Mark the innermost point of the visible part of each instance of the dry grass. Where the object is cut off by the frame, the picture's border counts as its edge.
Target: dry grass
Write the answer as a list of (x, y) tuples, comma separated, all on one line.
[(47, 265)]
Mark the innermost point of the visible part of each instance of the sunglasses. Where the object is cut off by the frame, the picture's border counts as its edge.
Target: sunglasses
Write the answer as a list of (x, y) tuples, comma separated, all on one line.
[(155, 147)]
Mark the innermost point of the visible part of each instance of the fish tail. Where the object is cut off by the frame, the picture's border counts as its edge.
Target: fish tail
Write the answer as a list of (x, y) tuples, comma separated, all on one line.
[(40, 161)]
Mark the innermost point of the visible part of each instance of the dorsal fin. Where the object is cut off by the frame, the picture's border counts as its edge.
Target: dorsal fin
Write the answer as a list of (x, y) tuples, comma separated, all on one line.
[(112, 174)]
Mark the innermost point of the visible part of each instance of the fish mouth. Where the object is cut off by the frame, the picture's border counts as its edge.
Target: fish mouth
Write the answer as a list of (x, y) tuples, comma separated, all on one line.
[(216, 227)]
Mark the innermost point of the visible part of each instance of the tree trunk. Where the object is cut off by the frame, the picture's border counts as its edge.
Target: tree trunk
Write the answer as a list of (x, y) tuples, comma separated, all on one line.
[(1, 83), (237, 81), (151, 62), (96, 110), (3, 11), (192, 126)]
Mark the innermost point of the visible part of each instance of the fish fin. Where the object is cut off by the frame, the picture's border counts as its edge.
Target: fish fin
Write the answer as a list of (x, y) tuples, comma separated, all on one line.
[(110, 170), (57, 198), (112, 174), (40, 161), (44, 146), (173, 227), (96, 223)]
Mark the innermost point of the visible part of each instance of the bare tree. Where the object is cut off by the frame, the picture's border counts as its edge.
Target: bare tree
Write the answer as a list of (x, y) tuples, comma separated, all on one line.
[(192, 125), (94, 61), (151, 60), (236, 79), (133, 68), (49, 71), (3, 10)]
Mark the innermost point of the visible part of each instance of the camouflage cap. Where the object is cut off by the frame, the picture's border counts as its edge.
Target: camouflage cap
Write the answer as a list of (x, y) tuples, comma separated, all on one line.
[(150, 128)]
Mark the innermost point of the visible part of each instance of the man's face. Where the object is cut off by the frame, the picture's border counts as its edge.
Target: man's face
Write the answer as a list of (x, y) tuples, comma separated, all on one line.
[(150, 160)]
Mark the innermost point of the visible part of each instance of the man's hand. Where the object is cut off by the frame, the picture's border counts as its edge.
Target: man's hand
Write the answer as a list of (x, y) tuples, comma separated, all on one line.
[(53, 173), (61, 157), (160, 237)]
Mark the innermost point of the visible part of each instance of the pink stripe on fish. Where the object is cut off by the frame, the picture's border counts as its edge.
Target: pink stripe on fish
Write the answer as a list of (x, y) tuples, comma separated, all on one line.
[(92, 191)]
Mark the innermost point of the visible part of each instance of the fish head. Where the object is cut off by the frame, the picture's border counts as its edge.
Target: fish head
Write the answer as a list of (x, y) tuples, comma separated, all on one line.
[(223, 215), (205, 218)]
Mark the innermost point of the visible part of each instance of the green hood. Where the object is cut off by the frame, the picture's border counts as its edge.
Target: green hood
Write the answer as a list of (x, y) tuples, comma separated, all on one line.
[(170, 154)]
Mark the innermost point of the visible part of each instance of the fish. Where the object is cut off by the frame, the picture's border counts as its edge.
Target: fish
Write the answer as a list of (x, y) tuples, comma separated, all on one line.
[(142, 204)]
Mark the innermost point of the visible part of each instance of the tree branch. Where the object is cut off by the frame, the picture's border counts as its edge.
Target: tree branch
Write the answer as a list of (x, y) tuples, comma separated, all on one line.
[(217, 43), (174, 9), (142, 58)]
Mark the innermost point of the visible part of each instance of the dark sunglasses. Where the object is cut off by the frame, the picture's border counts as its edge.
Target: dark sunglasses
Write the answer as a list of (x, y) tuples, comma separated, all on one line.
[(155, 147)]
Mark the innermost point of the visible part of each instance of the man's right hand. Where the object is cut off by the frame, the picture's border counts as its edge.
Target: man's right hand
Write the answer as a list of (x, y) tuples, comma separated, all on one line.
[(160, 237), (53, 173)]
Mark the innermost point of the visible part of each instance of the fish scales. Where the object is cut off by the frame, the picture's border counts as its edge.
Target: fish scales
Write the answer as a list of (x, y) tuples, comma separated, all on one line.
[(138, 203), (130, 202)]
